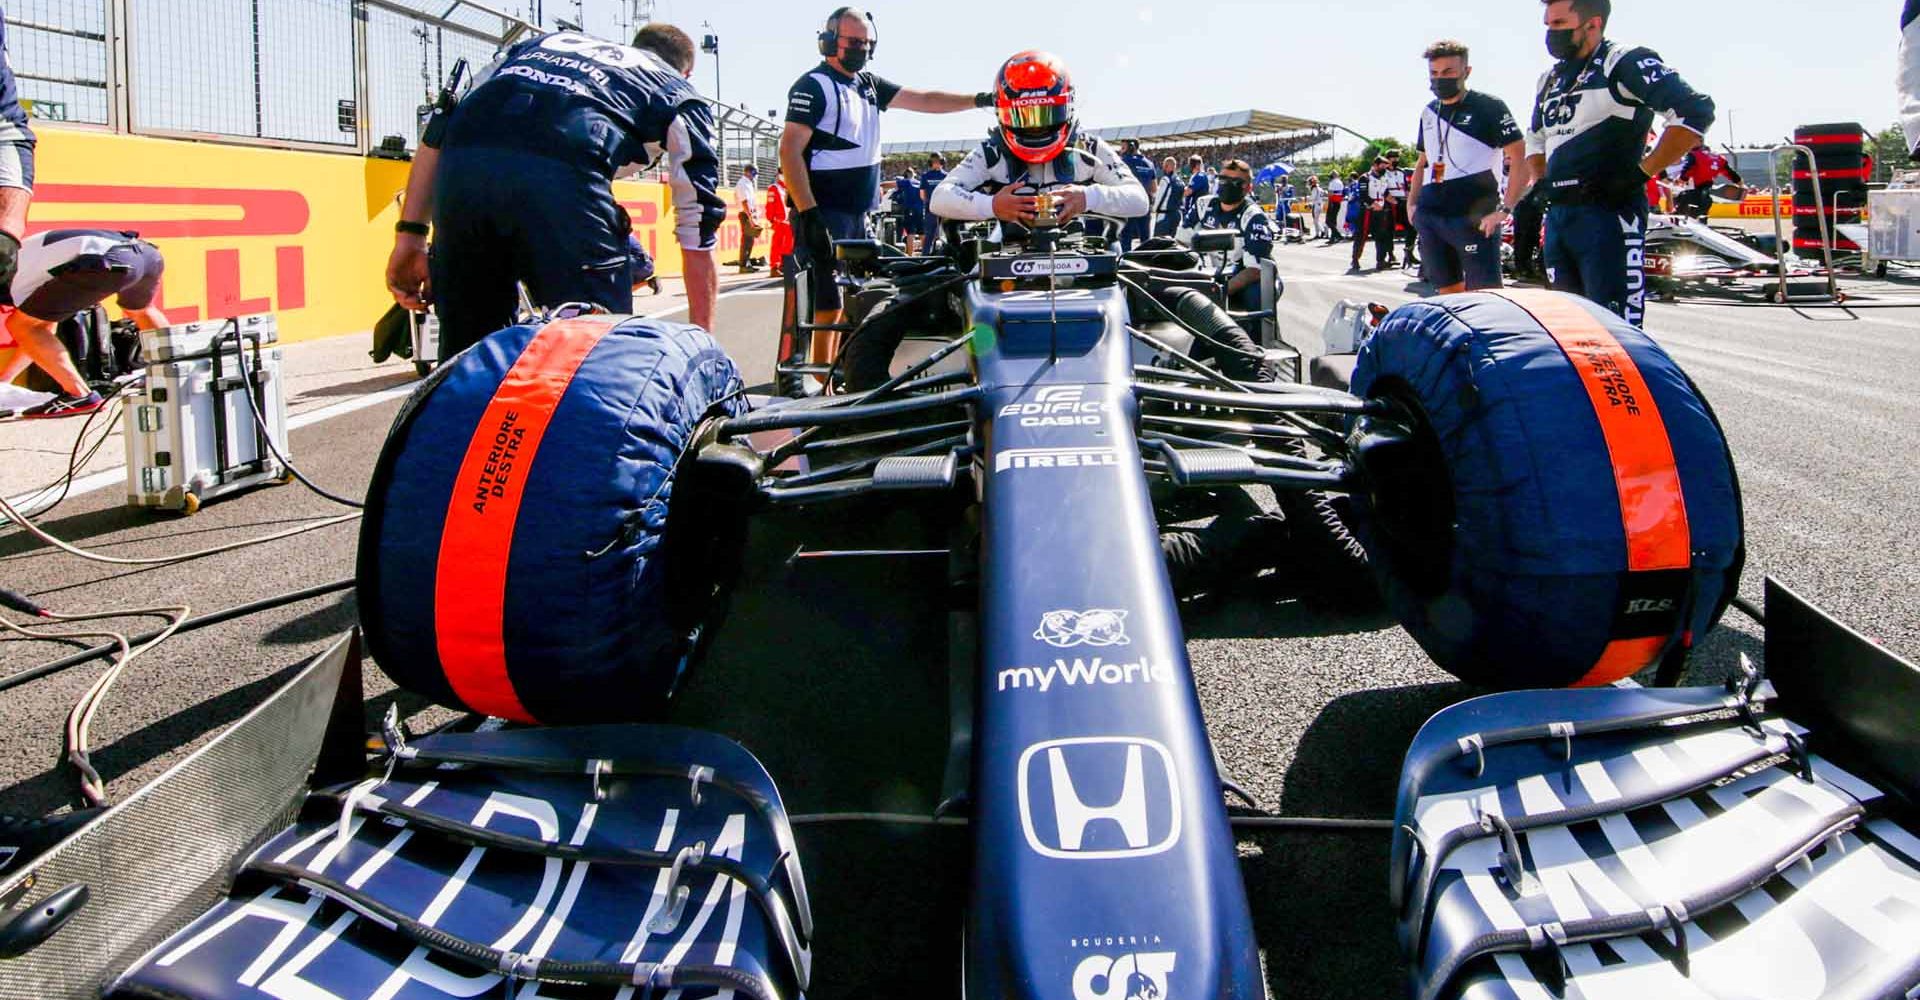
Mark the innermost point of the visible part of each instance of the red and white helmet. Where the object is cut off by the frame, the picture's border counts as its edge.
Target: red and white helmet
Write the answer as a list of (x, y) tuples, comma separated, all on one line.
[(1033, 97)]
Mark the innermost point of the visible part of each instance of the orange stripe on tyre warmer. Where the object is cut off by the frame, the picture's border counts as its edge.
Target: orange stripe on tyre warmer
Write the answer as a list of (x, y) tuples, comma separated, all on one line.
[(470, 579), (1652, 509)]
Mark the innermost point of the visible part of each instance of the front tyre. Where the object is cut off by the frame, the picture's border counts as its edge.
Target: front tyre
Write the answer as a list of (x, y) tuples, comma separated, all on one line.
[(1565, 509)]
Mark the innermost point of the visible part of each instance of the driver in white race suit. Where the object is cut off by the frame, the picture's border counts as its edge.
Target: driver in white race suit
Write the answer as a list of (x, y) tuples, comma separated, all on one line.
[(1038, 145)]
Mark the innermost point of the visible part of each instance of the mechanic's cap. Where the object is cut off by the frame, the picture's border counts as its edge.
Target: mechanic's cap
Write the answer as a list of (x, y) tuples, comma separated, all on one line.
[(1380, 158), (1033, 98)]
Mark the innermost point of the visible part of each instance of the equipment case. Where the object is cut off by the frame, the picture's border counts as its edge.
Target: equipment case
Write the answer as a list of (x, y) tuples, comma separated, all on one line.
[(190, 432)]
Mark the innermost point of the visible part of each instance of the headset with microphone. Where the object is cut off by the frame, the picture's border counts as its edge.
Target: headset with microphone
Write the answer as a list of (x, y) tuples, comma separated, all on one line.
[(830, 32)]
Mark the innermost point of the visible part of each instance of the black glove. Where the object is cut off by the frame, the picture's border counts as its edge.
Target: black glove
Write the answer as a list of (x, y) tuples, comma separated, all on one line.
[(810, 231), (9, 260)]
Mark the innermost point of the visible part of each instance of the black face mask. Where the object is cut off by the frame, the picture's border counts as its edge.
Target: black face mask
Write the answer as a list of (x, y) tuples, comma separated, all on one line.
[(1445, 88), (1560, 44), (1233, 190), (854, 59)]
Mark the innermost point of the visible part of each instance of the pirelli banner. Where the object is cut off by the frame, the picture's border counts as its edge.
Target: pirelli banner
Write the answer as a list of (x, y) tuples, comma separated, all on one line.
[(247, 230)]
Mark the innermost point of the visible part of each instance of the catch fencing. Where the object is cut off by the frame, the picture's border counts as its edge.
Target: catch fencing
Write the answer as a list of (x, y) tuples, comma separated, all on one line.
[(349, 76)]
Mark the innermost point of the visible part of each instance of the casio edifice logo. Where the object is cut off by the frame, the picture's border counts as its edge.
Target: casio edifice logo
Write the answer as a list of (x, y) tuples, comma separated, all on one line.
[(1057, 406)]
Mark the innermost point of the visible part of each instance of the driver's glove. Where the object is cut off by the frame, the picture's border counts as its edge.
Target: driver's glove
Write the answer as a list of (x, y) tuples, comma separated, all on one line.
[(810, 231)]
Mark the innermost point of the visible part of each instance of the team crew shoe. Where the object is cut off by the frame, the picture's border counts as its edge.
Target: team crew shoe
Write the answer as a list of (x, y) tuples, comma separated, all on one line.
[(64, 405)]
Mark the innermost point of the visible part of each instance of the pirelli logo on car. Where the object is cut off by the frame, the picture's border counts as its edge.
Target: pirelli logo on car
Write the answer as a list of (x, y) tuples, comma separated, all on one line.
[(1054, 458)]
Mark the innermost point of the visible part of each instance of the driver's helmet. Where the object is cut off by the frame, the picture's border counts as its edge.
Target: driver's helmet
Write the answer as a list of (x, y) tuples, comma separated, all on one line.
[(1033, 97)]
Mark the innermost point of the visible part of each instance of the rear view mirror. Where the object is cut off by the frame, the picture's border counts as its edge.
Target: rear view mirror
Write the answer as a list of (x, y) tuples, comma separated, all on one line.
[(1216, 240)]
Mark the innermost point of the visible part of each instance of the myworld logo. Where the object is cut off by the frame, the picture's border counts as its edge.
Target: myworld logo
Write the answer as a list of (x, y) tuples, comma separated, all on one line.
[(1085, 673)]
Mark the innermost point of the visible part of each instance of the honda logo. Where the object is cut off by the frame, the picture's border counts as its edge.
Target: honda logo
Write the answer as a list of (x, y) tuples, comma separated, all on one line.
[(1099, 797)]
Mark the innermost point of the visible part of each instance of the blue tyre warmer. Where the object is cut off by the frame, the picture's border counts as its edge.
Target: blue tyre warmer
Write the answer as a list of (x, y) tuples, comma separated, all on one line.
[(1595, 515), (510, 558)]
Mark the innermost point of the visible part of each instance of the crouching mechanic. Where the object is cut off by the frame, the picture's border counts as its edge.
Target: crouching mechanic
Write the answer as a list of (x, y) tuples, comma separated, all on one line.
[(1232, 209), (517, 179), (1590, 116), (64, 272)]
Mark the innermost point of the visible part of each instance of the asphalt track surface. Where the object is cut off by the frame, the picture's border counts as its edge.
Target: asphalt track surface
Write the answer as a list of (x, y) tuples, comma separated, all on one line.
[(833, 673)]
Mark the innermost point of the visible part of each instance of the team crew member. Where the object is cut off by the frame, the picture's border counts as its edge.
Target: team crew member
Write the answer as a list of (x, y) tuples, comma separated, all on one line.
[(782, 232), (62, 273), (748, 196), (930, 178), (1583, 142), (913, 210), (517, 180), (1166, 199), (1136, 228), (1232, 209), (1375, 193), (1698, 171), (1402, 222), (1197, 184), (1454, 199), (830, 152), (16, 167), (1336, 196)]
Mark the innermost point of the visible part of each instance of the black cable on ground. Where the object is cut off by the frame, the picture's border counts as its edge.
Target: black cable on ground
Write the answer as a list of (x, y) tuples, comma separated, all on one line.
[(260, 422), (1748, 608), (203, 621)]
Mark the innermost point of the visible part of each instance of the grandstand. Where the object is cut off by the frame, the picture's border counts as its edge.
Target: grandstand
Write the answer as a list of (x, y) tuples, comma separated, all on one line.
[(1259, 137)]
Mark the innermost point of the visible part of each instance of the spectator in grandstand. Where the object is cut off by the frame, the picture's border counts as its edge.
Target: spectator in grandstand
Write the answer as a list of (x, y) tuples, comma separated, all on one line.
[(1166, 202), (748, 196), (1584, 138), (1198, 185), (913, 210), (16, 168), (782, 232), (1234, 208), (62, 273), (1375, 193), (517, 180), (929, 179), (831, 151), (1336, 199), (1454, 197), (1142, 168)]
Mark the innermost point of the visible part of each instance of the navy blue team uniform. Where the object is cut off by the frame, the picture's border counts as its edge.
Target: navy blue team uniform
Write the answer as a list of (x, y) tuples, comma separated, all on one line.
[(843, 160), (1462, 143), (523, 191), (1590, 120), (929, 180), (1143, 170), (913, 209)]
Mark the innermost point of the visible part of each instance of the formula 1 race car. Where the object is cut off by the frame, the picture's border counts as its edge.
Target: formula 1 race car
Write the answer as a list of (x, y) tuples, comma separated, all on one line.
[(1544, 499), (1686, 253)]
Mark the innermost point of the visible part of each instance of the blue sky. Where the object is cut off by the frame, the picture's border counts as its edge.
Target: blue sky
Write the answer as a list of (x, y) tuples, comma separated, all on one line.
[(1769, 64)]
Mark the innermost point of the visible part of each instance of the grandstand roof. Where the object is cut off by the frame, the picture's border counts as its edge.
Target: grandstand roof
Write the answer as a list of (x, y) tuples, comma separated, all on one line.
[(1208, 128)]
